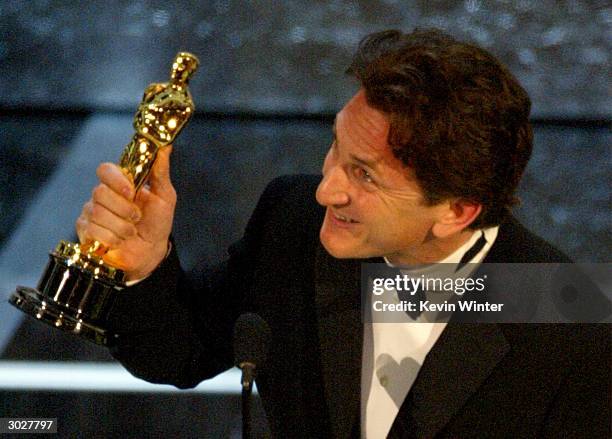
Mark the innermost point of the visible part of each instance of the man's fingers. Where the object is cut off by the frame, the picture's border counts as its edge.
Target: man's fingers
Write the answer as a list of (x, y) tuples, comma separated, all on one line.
[(111, 200), (97, 223), (86, 211), (90, 232), (112, 176), (159, 179), (106, 219), (82, 221)]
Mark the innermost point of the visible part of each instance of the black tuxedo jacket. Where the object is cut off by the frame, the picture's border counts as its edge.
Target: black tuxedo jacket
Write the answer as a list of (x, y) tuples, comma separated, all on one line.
[(479, 379)]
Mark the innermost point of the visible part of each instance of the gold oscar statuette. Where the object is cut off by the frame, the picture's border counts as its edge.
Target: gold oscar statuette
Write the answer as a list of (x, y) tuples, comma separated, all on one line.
[(77, 289)]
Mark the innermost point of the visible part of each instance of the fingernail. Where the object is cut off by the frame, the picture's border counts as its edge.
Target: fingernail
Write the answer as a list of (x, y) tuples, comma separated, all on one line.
[(127, 192), (136, 216)]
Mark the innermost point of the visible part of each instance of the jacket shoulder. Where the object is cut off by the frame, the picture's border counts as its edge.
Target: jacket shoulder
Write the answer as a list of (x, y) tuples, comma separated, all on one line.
[(286, 209), (516, 244), (292, 186), (294, 198)]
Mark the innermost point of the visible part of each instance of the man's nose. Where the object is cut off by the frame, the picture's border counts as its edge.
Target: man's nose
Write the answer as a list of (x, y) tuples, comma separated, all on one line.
[(333, 189)]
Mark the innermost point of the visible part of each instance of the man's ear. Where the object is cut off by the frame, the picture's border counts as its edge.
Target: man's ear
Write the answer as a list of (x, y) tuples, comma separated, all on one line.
[(456, 216)]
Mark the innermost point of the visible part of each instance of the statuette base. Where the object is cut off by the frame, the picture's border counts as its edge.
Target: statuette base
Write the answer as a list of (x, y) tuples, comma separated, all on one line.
[(71, 298)]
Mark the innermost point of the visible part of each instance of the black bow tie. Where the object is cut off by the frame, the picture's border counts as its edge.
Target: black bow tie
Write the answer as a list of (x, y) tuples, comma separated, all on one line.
[(419, 295), (472, 251)]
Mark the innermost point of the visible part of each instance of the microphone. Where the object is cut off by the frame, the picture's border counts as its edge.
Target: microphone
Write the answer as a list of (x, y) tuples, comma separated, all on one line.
[(251, 337)]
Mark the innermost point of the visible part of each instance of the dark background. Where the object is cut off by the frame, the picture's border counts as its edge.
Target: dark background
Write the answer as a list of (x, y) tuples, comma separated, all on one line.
[(271, 79)]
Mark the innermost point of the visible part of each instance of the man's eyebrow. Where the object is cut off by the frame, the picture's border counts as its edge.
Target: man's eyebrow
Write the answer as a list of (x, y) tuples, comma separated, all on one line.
[(362, 161), (365, 162)]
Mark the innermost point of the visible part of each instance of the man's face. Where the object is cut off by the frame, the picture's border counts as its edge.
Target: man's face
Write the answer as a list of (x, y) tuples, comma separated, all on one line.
[(374, 205)]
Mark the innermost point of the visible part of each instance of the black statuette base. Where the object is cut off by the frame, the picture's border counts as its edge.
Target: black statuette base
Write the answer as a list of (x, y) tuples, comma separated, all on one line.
[(70, 299)]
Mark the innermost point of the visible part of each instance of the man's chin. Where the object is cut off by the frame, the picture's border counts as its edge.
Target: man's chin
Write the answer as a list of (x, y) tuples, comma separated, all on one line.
[(337, 250)]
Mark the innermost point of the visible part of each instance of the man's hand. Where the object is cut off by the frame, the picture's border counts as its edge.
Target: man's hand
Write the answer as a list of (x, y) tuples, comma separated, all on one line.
[(135, 230)]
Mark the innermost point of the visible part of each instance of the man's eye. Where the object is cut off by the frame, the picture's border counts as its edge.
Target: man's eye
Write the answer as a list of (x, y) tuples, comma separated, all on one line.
[(363, 175)]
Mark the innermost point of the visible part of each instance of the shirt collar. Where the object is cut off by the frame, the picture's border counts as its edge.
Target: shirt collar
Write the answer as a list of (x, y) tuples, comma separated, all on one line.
[(490, 235)]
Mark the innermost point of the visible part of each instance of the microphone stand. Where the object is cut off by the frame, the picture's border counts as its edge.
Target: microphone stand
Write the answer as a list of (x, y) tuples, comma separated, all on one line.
[(251, 336), (248, 374)]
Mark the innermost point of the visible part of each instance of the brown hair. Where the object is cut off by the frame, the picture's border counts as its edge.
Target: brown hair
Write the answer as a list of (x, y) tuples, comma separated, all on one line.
[(458, 117)]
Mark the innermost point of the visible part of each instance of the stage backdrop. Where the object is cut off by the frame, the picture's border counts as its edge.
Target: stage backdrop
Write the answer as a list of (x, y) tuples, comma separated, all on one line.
[(286, 56)]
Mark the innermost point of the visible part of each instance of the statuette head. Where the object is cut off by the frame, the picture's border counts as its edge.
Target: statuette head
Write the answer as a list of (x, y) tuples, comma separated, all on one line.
[(184, 65)]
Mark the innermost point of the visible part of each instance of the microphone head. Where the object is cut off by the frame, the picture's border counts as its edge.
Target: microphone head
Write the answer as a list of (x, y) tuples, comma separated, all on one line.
[(251, 338)]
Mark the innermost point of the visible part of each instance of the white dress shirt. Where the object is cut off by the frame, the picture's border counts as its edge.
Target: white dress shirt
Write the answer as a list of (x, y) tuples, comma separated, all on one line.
[(394, 352)]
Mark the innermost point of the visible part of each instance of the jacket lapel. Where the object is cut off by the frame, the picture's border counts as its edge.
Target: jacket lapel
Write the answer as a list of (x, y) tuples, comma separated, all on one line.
[(460, 361), (458, 364), (340, 337)]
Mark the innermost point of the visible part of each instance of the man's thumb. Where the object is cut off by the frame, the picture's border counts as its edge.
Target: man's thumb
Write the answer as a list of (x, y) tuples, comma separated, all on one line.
[(159, 180)]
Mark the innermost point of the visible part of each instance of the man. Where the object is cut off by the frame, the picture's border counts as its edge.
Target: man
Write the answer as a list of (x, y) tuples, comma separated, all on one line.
[(423, 167)]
